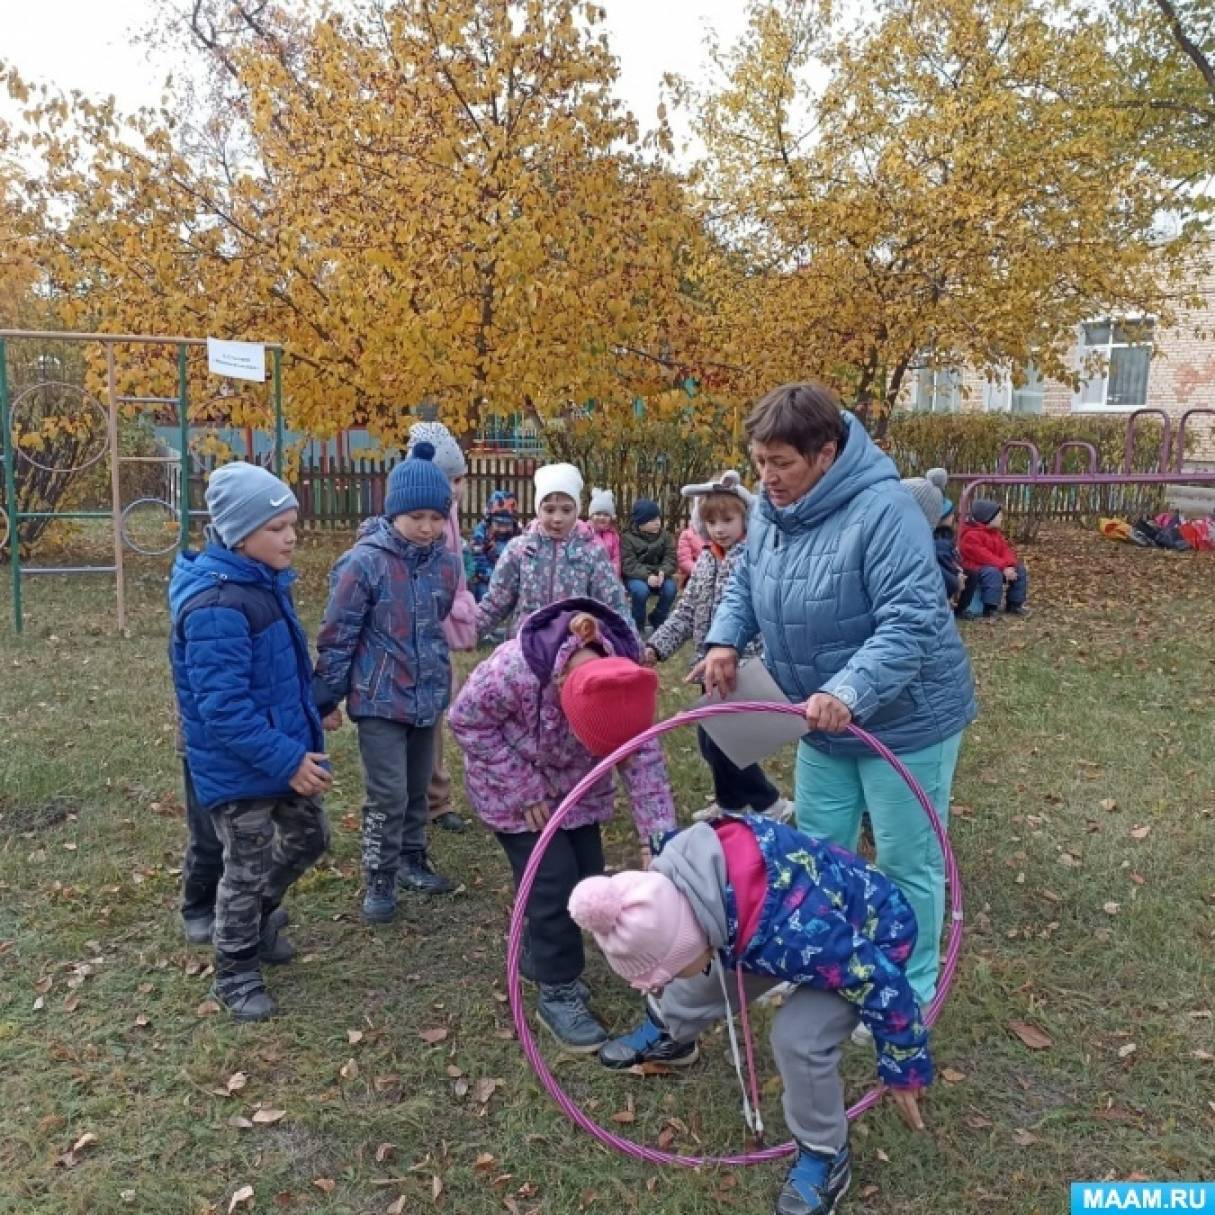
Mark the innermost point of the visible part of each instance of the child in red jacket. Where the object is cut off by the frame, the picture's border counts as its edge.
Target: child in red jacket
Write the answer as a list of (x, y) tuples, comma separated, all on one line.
[(992, 561)]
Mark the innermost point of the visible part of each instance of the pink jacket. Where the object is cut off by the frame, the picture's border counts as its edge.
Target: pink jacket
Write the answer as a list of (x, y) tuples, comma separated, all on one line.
[(460, 628), (610, 540), (691, 545), (518, 747)]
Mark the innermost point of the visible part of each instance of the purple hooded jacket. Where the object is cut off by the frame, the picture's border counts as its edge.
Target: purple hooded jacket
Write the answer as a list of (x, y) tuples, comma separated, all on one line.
[(518, 747)]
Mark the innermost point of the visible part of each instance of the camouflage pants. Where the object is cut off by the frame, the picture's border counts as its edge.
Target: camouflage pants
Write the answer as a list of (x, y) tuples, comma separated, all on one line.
[(268, 843)]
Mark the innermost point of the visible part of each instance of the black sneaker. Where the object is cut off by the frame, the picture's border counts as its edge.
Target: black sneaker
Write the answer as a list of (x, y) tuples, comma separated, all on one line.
[(816, 1182), (380, 896), (1019, 610), (563, 1013), (449, 820), (648, 1043), (242, 991), (417, 873)]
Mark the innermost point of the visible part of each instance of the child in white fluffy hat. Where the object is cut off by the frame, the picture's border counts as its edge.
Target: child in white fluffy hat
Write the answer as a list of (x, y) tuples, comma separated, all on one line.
[(554, 559)]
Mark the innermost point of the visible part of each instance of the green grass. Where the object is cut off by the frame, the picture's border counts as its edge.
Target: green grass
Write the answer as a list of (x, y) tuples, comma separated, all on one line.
[(1096, 724)]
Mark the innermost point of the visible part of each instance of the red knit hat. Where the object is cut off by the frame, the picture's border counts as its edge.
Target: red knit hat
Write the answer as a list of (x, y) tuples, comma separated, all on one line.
[(608, 701)]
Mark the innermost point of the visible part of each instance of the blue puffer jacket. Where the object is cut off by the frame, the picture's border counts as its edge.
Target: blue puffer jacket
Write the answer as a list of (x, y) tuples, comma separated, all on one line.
[(243, 676), (845, 588), (381, 645)]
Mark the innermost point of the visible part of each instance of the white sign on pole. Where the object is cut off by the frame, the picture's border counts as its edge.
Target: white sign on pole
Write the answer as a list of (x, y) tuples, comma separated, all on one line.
[(237, 360)]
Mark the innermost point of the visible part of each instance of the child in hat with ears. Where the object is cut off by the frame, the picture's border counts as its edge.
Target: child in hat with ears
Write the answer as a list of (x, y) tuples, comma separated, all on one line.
[(1000, 575), (929, 494), (554, 559), (648, 564), (738, 906), (382, 649), (720, 509), (602, 517), (533, 720), (251, 731)]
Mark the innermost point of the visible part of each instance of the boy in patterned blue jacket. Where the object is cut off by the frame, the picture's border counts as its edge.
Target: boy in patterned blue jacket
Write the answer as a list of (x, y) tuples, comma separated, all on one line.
[(254, 746), (753, 898), (382, 649)]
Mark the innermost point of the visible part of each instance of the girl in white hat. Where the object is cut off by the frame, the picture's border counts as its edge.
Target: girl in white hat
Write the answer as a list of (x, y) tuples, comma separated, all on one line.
[(554, 559)]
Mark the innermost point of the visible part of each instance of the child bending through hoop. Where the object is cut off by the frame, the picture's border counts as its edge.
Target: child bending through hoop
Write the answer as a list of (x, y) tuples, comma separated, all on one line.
[(532, 721), (745, 903)]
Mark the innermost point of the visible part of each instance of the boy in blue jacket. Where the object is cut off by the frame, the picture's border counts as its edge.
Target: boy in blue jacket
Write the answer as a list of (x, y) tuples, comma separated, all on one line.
[(382, 649), (251, 730), (751, 898)]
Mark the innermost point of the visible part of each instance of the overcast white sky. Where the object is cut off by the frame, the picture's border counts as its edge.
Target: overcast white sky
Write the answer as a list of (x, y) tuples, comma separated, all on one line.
[(91, 45)]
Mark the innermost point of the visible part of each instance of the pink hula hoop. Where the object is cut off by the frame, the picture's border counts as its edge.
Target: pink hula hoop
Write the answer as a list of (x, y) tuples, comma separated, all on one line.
[(629, 1147)]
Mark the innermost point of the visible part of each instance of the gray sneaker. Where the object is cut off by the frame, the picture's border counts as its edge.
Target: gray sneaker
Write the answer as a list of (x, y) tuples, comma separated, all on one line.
[(568, 1019), (198, 930), (274, 947)]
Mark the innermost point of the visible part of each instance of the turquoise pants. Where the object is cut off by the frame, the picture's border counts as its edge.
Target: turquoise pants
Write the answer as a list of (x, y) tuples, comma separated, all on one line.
[(830, 793)]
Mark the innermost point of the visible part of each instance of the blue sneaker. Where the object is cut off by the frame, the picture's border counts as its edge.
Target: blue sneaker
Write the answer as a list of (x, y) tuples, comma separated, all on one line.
[(816, 1182), (648, 1043)]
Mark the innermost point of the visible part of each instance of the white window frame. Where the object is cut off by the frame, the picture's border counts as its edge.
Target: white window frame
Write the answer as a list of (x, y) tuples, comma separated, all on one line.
[(944, 379), (998, 394), (1079, 405)]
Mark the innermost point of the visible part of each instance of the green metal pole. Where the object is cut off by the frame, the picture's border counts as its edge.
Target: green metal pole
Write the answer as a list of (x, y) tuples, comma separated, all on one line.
[(183, 423), (10, 490), (279, 438)]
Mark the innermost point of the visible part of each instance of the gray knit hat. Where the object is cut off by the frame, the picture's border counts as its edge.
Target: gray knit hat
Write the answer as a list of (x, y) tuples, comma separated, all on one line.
[(929, 493), (241, 498), (449, 457)]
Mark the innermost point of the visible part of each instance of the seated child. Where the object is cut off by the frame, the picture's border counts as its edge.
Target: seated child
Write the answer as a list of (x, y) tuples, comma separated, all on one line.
[(602, 516), (719, 513), (533, 720), (838, 929), (490, 538), (691, 544), (254, 746), (382, 649), (1000, 575), (648, 564)]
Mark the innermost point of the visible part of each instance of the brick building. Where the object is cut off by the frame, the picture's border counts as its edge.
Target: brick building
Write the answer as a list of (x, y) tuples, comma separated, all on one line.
[(1143, 365)]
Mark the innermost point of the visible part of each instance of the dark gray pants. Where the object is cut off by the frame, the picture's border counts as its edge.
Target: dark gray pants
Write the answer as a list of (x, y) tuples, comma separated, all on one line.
[(807, 1033), (268, 843), (203, 864), (397, 761)]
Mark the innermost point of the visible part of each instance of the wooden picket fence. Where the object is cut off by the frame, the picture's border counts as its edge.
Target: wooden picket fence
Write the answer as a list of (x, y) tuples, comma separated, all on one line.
[(337, 495)]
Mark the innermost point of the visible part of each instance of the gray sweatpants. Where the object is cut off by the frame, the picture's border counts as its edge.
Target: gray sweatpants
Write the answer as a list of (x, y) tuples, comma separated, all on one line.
[(396, 770), (807, 1033)]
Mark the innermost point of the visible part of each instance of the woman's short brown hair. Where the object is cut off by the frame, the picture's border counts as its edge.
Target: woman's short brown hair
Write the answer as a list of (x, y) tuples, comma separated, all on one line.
[(806, 416)]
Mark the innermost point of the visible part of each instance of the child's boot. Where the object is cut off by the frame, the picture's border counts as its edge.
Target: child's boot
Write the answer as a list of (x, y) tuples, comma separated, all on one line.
[(816, 1182), (417, 873), (198, 929), (648, 1043), (274, 947), (527, 972), (380, 896), (565, 1015), (240, 989)]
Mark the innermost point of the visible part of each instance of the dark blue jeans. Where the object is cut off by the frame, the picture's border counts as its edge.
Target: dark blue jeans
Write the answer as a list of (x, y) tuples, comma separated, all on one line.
[(640, 592), (992, 587)]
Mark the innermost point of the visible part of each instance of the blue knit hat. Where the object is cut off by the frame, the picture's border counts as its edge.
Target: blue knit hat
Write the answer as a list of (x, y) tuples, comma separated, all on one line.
[(243, 497), (417, 484), (645, 510)]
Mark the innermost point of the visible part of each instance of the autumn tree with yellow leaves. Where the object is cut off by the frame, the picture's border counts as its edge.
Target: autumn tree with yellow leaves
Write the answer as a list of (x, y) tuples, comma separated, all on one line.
[(434, 201), (936, 183)]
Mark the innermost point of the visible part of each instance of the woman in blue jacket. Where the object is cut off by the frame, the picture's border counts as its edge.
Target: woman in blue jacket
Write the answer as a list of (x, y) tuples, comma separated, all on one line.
[(841, 581)]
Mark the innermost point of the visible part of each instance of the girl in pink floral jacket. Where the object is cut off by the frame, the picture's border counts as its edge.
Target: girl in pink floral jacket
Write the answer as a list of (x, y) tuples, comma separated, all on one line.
[(532, 720)]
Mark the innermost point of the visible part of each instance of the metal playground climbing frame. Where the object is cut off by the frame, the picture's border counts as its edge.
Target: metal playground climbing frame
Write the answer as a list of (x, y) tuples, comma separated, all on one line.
[(178, 510)]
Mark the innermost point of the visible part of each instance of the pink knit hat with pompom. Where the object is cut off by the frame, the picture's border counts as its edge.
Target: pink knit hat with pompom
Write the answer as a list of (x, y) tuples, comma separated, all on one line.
[(642, 922)]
